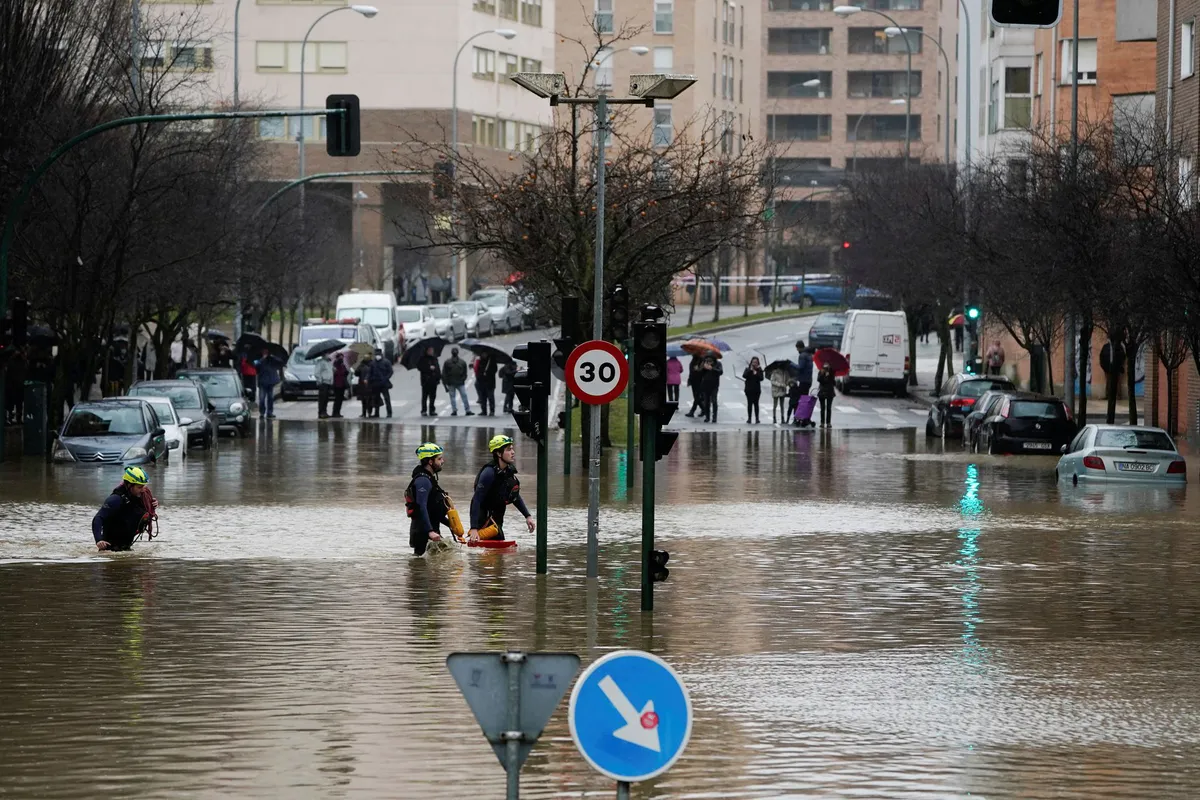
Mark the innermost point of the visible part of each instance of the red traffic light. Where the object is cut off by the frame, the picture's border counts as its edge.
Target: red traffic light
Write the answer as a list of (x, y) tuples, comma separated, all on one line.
[(845, 245)]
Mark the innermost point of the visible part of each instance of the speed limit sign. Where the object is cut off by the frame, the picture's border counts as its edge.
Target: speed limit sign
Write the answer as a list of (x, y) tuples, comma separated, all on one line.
[(597, 372)]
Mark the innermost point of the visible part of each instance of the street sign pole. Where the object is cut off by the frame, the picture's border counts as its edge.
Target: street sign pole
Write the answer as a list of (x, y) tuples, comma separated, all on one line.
[(593, 529), (623, 790), (649, 440), (512, 734)]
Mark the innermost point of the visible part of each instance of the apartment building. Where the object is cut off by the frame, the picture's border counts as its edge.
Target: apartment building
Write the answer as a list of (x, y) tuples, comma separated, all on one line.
[(998, 83)]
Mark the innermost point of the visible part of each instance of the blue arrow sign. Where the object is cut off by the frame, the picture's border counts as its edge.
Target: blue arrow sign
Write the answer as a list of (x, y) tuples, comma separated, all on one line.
[(630, 715)]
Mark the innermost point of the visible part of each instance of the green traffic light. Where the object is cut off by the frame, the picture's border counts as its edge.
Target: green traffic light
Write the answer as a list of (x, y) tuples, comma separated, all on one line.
[(973, 312)]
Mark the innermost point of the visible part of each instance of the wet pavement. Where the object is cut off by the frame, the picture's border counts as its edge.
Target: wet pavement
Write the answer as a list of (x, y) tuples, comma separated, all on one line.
[(857, 615)]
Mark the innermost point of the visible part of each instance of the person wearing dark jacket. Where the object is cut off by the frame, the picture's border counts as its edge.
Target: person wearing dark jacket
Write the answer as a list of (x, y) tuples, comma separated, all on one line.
[(825, 394), (454, 377), (425, 501), (497, 487), (431, 376), (363, 372), (125, 513), (804, 362), (485, 384), (753, 376), (693, 383), (507, 372), (379, 383), (341, 382), (268, 368), (710, 384)]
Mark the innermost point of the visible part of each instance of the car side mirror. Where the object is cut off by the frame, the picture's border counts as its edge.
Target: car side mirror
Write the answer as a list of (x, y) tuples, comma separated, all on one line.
[(211, 408), (1064, 449), (185, 421), (159, 432)]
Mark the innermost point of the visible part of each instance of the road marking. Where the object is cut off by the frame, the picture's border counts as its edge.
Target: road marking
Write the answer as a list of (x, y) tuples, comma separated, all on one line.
[(847, 409), (891, 412), (781, 338), (919, 412)]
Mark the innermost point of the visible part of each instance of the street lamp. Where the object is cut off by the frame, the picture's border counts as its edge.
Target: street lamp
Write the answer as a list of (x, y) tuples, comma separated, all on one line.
[(854, 152), (892, 32), (366, 11), (847, 11)]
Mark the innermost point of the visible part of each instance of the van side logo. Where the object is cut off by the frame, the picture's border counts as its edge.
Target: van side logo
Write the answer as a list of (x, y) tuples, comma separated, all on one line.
[(891, 338)]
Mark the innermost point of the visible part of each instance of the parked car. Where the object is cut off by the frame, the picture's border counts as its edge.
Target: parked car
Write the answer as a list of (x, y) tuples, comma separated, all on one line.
[(299, 379), (876, 345), (416, 322), (503, 307), (956, 399), (299, 376), (113, 431), (827, 330), (476, 316), (1121, 454), (447, 323), (174, 426), (190, 400), (817, 294), (979, 412), (225, 390), (1024, 422)]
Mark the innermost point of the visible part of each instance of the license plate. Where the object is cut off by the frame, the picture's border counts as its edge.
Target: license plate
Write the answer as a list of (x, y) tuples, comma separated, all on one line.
[(1134, 466), (1038, 445)]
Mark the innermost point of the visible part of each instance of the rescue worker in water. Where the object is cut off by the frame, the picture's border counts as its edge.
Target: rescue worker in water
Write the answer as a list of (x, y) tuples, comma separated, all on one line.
[(125, 513), (496, 487), (425, 501)]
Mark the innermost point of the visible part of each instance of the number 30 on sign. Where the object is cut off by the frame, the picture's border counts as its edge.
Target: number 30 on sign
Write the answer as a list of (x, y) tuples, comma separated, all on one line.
[(597, 372)]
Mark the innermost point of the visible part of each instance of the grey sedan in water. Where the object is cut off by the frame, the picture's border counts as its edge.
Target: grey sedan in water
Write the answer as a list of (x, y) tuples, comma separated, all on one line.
[(1120, 454)]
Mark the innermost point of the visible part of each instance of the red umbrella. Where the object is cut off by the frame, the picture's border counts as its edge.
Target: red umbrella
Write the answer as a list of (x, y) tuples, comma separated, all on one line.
[(957, 320), (514, 277), (701, 347), (829, 356)]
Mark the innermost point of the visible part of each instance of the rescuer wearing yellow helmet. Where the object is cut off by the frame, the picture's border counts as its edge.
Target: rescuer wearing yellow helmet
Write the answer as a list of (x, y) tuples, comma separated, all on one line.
[(425, 501), (125, 513), (496, 487)]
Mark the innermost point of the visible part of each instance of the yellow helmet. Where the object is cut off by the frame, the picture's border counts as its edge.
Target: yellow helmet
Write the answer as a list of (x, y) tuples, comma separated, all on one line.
[(499, 442), (429, 450), (137, 476)]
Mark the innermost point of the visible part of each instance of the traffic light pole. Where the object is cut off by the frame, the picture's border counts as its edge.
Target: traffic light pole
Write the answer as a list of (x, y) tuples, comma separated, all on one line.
[(543, 489), (649, 440), (630, 453), (567, 426)]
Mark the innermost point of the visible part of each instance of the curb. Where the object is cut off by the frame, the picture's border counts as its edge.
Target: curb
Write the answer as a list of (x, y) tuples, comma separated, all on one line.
[(743, 324)]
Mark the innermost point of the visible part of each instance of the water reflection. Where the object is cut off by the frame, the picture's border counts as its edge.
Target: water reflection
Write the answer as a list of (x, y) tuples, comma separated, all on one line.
[(971, 508)]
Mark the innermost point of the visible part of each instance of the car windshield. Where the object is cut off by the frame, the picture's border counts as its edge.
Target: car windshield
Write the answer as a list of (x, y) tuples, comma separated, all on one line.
[(830, 321), (299, 358), (311, 334), (101, 421), (490, 298), (183, 396), (1037, 409), (377, 317), (440, 312), (1135, 439), (217, 384), (977, 388), (408, 314), (466, 309)]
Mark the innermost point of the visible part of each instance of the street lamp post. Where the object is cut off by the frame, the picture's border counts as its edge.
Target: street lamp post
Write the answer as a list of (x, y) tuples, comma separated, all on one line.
[(459, 281), (891, 32), (846, 11), (854, 150), (237, 10)]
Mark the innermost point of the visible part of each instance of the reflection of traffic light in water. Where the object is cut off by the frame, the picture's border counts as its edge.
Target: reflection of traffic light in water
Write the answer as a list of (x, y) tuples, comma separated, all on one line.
[(971, 508)]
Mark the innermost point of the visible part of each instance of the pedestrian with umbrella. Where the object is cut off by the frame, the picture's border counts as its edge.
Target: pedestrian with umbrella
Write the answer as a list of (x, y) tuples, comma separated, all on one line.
[(323, 372), (710, 384), (694, 368), (486, 365), (779, 373), (341, 382)]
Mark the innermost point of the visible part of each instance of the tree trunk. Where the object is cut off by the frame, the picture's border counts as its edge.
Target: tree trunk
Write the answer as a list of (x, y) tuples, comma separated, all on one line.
[(945, 355), (1131, 349), (716, 287), (1083, 352), (912, 350), (1171, 417), (1049, 367), (695, 295)]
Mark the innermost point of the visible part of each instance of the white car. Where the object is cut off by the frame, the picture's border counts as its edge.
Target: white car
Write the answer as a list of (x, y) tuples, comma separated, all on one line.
[(416, 322), (447, 323), (1120, 454), (476, 316), (174, 427), (503, 307)]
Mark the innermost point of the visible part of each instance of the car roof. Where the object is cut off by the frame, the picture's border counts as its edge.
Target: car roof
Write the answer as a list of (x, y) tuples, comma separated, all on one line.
[(1046, 398), (413, 307), (148, 399), (165, 383), (1104, 427), (971, 376), (114, 401)]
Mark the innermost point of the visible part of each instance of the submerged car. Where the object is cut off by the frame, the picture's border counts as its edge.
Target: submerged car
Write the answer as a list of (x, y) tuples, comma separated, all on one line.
[(1121, 454), (190, 400), (1023, 422), (225, 391), (174, 426), (115, 431)]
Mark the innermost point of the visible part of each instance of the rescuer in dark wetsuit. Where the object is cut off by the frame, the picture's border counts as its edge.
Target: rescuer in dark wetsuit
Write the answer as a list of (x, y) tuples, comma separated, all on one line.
[(496, 487), (124, 514), (425, 501)]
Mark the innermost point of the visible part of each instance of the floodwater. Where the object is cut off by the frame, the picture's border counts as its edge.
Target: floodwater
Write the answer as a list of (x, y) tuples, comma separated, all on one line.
[(856, 614)]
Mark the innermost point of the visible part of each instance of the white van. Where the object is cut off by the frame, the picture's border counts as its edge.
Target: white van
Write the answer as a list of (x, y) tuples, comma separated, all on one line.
[(876, 345), (377, 309)]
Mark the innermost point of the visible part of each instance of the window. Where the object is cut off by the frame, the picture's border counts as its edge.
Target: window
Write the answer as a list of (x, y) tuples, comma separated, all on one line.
[(791, 84), (154, 56), (890, 5), (508, 63), (483, 130), (604, 71), (486, 6), (1018, 97), (506, 133), (328, 57), (869, 41), (800, 5), (1087, 61), (724, 75), (1187, 49), (993, 108), (288, 128), (664, 59), (527, 136), (1018, 176), (531, 65), (191, 55), (531, 12), (725, 22), (714, 74), (271, 127), (485, 64), (726, 133), (664, 16), (889, 83), (1040, 76), (800, 171), (508, 9), (741, 81), (798, 41), (881, 127), (604, 16), (663, 130), (742, 27), (1187, 183), (714, 20), (799, 127)]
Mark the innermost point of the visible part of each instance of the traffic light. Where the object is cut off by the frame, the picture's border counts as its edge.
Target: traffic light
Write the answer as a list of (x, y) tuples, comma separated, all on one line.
[(972, 309), (650, 367), (658, 565), (1027, 13), (443, 180), (663, 442), (532, 388), (569, 336), (343, 132), (845, 245), (618, 313), (20, 321)]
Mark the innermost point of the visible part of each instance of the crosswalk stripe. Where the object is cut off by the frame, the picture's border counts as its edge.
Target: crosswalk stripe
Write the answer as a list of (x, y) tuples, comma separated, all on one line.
[(847, 409), (919, 412), (889, 412)]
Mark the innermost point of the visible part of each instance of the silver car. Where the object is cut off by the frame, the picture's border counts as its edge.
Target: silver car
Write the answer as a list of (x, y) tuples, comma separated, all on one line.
[(476, 316), (447, 323), (1120, 454), (174, 426), (504, 308)]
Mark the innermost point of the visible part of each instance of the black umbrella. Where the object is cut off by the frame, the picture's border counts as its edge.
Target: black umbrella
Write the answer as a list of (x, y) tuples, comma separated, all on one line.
[(253, 345), (483, 348), (788, 366), (41, 335), (416, 351), (216, 335), (325, 347)]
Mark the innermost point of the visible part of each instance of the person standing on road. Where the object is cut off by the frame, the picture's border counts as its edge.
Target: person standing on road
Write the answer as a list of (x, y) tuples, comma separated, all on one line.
[(249, 374), (268, 378), (363, 372), (995, 358), (431, 376), (128, 511), (710, 385), (425, 501), (507, 387), (485, 384), (753, 376), (804, 361), (674, 378), (341, 382), (825, 394), (779, 391), (497, 487), (379, 379), (454, 377), (695, 368), (323, 372)]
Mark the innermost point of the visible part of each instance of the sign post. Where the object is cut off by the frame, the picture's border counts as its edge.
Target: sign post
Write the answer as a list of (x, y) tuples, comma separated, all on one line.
[(630, 717), (513, 695)]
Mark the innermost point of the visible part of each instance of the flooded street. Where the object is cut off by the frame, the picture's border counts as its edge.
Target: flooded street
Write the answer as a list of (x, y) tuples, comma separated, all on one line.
[(856, 614)]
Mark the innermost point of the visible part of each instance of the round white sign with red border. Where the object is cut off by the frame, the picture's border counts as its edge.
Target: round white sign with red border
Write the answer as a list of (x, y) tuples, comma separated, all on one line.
[(597, 372)]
